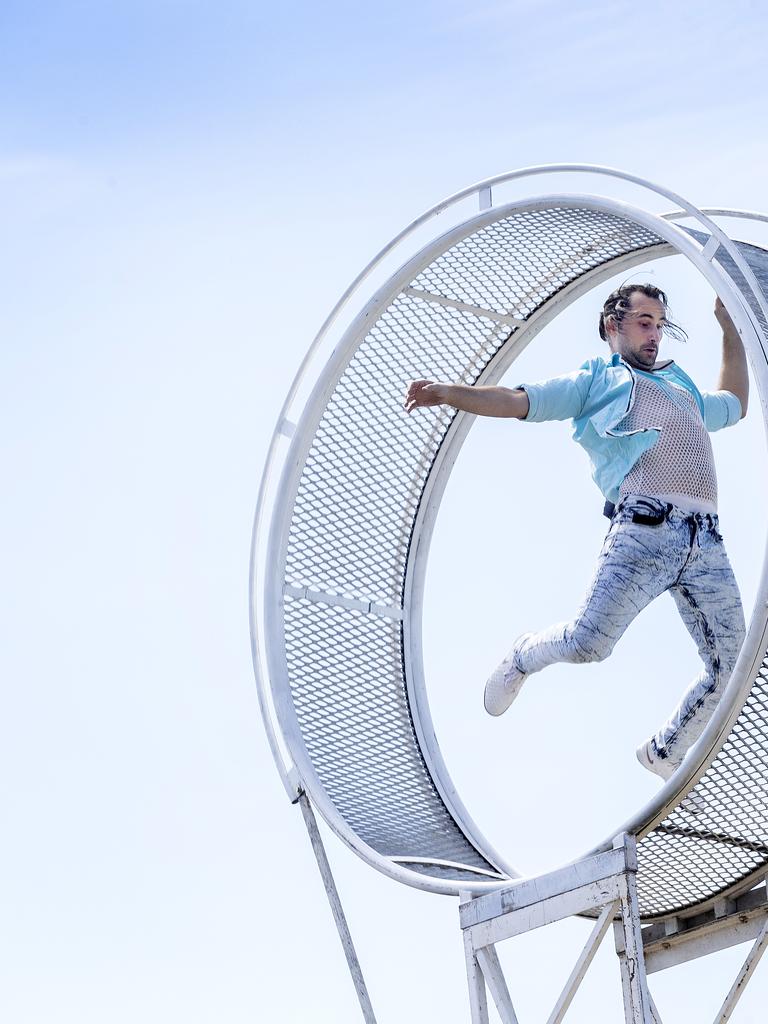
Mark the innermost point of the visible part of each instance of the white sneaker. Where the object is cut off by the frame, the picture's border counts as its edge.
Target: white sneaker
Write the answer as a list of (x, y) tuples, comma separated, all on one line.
[(693, 804), (657, 766), (504, 684)]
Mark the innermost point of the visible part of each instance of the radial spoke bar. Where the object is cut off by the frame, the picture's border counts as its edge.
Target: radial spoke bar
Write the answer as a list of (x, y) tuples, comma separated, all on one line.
[(321, 597), (465, 307)]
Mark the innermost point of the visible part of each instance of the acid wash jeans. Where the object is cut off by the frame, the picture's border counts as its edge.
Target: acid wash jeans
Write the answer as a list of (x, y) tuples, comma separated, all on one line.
[(684, 554)]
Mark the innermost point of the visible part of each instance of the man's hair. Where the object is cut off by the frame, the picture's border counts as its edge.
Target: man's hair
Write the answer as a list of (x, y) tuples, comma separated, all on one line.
[(619, 303)]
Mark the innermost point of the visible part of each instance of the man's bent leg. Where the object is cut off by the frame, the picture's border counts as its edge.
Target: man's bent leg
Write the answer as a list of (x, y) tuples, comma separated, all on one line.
[(707, 597), (635, 565)]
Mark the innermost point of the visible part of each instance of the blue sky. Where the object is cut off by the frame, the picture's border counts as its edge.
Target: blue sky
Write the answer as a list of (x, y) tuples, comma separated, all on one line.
[(185, 190), (135, 79)]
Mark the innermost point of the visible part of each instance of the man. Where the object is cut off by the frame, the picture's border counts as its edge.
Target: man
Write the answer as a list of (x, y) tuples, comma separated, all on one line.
[(644, 425)]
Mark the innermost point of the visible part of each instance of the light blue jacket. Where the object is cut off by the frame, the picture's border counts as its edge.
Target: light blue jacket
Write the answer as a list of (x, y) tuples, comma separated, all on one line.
[(599, 395)]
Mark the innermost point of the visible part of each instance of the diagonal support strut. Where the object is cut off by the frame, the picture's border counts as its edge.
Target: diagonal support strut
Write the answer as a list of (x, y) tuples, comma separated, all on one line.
[(336, 908)]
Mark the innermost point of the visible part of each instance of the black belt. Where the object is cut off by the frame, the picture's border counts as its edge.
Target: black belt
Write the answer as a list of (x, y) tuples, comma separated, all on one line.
[(650, 518)]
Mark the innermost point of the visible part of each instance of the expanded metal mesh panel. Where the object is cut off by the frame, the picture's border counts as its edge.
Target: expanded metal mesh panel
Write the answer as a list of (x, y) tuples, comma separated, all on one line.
[(450, 872), (358, 731), (357, 500), (515, 265), (757, 261), (720, 837), (698, 852), (365, 470)]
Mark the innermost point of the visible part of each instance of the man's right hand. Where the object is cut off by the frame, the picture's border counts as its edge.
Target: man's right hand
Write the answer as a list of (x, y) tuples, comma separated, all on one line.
[(476, 399), (423, 393)]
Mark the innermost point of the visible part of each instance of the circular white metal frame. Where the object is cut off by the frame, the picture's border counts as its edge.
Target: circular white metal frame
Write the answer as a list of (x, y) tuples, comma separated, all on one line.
[(738, 272)]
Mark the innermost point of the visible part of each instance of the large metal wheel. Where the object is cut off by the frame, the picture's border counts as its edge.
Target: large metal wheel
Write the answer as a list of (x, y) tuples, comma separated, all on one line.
[(348, 502)]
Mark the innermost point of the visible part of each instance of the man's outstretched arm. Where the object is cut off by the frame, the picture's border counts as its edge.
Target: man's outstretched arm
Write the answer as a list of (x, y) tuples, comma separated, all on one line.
[(733, 369), (482, 401)]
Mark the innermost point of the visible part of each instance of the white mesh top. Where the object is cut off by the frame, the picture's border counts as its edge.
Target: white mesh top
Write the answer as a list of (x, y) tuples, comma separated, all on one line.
[(680, 467)]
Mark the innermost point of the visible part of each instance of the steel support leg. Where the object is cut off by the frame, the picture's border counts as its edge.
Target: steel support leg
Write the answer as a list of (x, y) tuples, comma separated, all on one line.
[(336, 908), (478, 996), (629, 946)]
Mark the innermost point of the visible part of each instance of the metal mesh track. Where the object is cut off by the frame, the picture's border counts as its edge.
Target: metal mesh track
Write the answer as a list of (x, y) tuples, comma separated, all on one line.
[(757, 261), (357, 500), (689, 858), (351, 525)]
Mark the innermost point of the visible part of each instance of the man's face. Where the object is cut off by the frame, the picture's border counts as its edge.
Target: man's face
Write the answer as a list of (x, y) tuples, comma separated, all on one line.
[(638, 336)]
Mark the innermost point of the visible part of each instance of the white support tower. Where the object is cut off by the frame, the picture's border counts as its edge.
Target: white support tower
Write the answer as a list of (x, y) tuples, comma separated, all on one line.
[(603, 884)]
